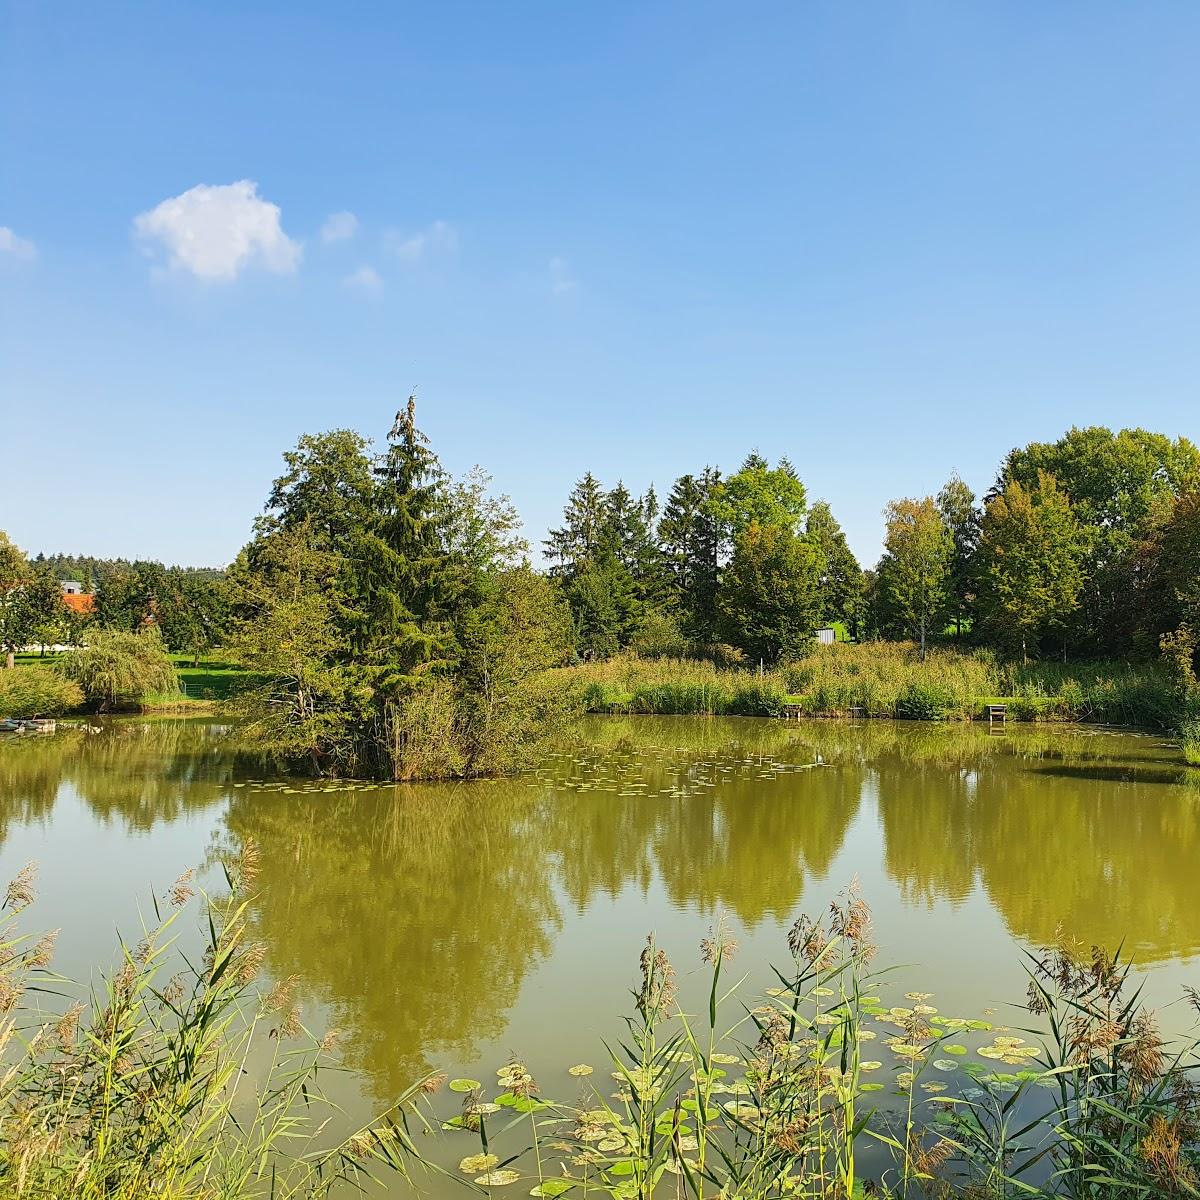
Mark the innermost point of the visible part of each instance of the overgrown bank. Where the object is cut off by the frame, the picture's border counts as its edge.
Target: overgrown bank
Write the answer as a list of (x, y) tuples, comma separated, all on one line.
[(887, 679)]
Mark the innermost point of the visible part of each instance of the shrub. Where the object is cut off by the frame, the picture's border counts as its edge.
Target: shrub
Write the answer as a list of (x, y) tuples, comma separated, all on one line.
[(122, 670), (37, 692)]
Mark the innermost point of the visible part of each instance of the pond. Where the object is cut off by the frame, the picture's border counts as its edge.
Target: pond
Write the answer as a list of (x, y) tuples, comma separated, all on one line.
[(450, 925)]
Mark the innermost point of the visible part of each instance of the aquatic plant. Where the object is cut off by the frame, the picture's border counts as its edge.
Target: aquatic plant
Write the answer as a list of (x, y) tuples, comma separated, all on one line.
[(142, 1089), (796, 1097)]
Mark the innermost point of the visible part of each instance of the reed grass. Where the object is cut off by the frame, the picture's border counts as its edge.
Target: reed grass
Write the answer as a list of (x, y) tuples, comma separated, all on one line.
[(143, 1089), (817, 1090), (787, 1097), (888, 679), (1190, 741)]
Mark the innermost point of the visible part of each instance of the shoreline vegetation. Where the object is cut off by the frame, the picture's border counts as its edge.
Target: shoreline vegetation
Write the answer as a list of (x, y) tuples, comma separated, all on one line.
[(190, 1079), (889, 680), (385, 619)]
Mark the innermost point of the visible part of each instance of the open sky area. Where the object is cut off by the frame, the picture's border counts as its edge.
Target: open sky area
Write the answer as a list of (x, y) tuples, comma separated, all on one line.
[(889, 240)]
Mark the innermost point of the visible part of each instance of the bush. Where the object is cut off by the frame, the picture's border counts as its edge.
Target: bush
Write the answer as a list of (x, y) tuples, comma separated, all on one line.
[(37, 692), (122, 670)]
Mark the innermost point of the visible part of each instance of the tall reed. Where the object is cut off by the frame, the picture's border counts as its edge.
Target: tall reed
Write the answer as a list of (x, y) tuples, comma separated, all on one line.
[(889, 679), (143, 1089), (779, 1099)]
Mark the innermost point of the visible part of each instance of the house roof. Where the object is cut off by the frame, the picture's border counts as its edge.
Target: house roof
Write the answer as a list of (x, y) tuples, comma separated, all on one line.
[(80, 602)]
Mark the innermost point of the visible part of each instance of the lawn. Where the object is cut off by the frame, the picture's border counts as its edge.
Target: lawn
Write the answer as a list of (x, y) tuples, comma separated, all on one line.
[(212, 679)]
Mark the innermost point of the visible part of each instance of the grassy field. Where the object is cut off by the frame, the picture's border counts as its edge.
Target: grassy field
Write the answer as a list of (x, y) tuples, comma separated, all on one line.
[(211, 679)]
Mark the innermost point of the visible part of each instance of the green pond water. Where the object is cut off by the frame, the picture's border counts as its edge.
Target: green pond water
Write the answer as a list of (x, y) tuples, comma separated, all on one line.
[(449, 925)]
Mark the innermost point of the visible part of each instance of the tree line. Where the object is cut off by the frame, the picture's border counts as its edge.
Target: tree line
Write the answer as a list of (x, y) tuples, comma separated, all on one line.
[(390, 620), (188, 605), (1088, 546)]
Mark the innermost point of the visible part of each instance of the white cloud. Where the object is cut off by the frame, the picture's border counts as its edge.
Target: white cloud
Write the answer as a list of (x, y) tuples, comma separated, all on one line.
[(439, 238), (561, 280), (340, 227), (215, 231), (365, 281), (18, 247)]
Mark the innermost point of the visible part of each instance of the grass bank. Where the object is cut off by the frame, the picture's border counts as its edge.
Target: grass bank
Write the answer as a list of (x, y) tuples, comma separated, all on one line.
[(887, 679)]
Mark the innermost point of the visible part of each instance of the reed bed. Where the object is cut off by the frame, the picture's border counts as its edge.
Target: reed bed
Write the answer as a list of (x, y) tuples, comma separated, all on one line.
[(1190, 739), (818, 1089), (142, 1088), (888, 679), (821, 1091)]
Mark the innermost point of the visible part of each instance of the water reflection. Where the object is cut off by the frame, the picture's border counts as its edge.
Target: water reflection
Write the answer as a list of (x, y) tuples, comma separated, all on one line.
[(138, 772), (419, 914)]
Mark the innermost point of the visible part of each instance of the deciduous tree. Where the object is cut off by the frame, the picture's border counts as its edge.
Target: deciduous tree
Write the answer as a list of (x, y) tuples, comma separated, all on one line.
[(914, 573), (1031, 551)]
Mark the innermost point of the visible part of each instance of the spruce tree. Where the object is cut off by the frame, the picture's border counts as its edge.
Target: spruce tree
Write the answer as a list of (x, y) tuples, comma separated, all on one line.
[(402, 584), (583, 522)]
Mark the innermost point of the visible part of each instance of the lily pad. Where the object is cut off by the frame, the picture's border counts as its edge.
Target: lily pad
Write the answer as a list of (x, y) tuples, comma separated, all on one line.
[(465, 1085), (579, 1069), (498, 1178), (548, 1189), (477, 1162)]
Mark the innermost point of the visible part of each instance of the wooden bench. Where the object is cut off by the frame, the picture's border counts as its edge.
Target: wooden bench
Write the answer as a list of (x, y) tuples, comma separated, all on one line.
[(997, 712)]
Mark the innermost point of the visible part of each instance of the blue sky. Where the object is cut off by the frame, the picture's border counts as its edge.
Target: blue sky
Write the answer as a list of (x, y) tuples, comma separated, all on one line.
[(889, 240)]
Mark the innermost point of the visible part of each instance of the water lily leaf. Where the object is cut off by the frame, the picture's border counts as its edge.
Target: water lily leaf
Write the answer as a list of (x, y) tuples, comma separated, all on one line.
[(955, 1049), (464, 1085), (548, 1189), (945, 1064), (498, 1178), (579, 1069), (474, 1163), (870, 1087)]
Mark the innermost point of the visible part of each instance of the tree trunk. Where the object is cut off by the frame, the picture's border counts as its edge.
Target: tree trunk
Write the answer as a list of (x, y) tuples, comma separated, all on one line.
[(10, 659)]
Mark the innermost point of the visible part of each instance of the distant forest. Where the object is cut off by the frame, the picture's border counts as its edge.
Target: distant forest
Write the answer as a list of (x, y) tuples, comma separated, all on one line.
[(89, 570)]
